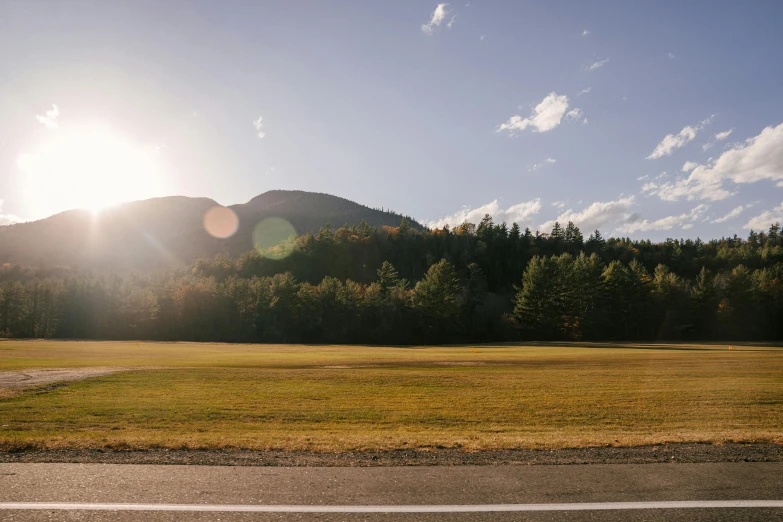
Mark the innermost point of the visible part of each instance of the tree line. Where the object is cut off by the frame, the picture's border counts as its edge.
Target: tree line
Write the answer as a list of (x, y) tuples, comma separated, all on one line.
[(395, 285)]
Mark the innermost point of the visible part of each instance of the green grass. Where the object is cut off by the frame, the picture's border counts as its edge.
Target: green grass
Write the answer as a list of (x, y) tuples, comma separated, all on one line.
[(351, 397)]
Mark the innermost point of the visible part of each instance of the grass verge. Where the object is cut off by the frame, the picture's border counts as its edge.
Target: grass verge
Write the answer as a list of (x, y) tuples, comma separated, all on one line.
[(347, 398)]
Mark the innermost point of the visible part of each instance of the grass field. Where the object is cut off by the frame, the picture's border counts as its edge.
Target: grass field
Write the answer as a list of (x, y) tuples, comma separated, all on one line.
[(325, 398)]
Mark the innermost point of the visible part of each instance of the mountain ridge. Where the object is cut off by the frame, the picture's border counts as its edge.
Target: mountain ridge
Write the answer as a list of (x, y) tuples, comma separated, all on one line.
[(167, 231)]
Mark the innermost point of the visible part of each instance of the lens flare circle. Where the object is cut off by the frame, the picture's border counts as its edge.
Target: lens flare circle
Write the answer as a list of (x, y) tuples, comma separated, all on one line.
[(221, 222), (270, 235)]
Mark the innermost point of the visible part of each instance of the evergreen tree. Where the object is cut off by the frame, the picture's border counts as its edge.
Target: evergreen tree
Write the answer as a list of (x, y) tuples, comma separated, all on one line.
[(573, 237), (387, 278), (514, 234), (557, 232), (704, 298), (595, 243), (537, 307), (436, 299), (404, 226)]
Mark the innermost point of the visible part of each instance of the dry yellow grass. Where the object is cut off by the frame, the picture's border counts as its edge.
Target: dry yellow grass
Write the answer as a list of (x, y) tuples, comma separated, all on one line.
[(351, 397)]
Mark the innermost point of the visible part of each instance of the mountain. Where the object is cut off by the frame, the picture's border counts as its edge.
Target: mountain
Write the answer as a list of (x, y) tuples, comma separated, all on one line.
[(169, 231)]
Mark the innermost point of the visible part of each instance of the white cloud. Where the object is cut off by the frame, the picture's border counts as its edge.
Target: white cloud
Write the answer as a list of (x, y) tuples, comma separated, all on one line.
[(575, 114), (585, 32), (542, 164), (482, 37), (764, 220), (758, 158), (734, 213), (682, 220), (723, 135), (545, 117), (670, 142), (689, 166), (584, 91), (596, 215), (8, 219), (596, 65), (451, 22), (258, 124), (779, 184), (671, 56), (520, 213), (559, 204), (49, 119), (438, 15), (718, 137)]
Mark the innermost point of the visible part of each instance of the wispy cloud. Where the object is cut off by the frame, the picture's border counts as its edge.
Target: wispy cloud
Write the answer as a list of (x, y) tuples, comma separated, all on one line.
[(545, 116), (596, 65), (544, 163), (758, 158), (584, 91), (575, 115), (451, 22), (671, 142), (716, 138), (766, 219), (49, 118), (258, 124), (734, 213), (585, 32), (685, 221), (689, 166), (438, 15), (482, 37), (595, 215), (521, 213), (671, 56)]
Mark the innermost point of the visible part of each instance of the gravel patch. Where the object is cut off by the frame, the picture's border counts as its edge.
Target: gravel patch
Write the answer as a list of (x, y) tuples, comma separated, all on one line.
[(688, 453)]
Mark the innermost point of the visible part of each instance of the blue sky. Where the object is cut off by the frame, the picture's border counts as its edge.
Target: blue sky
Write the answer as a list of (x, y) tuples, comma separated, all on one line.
[(532, 111)]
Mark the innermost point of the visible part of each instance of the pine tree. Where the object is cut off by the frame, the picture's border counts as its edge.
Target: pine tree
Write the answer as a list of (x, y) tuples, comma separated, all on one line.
[(514, 234), (387, 278), (363, 230), (557, 232), (404, 226), (537, 307), (704, 299), (573, 237), (485, 228), (596, 242)]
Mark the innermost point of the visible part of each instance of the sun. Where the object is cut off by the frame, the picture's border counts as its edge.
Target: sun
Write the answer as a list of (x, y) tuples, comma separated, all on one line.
[(89, 167)]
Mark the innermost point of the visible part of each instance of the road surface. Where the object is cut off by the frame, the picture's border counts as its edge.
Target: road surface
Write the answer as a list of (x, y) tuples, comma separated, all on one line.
[(538, 493)]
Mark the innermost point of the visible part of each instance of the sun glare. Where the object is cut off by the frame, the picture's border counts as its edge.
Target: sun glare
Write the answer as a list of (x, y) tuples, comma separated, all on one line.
[(91, 167)]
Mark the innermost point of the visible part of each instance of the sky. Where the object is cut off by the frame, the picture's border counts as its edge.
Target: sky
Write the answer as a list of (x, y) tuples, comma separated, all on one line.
[(640, 119)]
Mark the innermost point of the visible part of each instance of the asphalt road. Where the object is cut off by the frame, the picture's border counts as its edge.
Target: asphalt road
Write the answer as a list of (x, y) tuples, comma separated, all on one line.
[(436, 486)]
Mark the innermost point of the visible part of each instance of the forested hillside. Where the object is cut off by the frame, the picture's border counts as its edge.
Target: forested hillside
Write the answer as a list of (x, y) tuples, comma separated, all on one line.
[(388, 285), (169, 232)]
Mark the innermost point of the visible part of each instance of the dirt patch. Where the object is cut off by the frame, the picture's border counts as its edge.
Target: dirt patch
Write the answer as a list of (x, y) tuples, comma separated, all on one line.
[(669, 453), (13, 383), (350, 366)]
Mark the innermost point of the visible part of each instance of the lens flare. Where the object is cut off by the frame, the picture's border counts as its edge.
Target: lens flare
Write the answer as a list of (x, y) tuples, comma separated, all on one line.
[(221, 222), (270, 237)]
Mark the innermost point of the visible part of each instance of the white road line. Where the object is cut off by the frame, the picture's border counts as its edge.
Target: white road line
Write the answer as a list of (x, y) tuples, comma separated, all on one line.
[(457, 508)]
